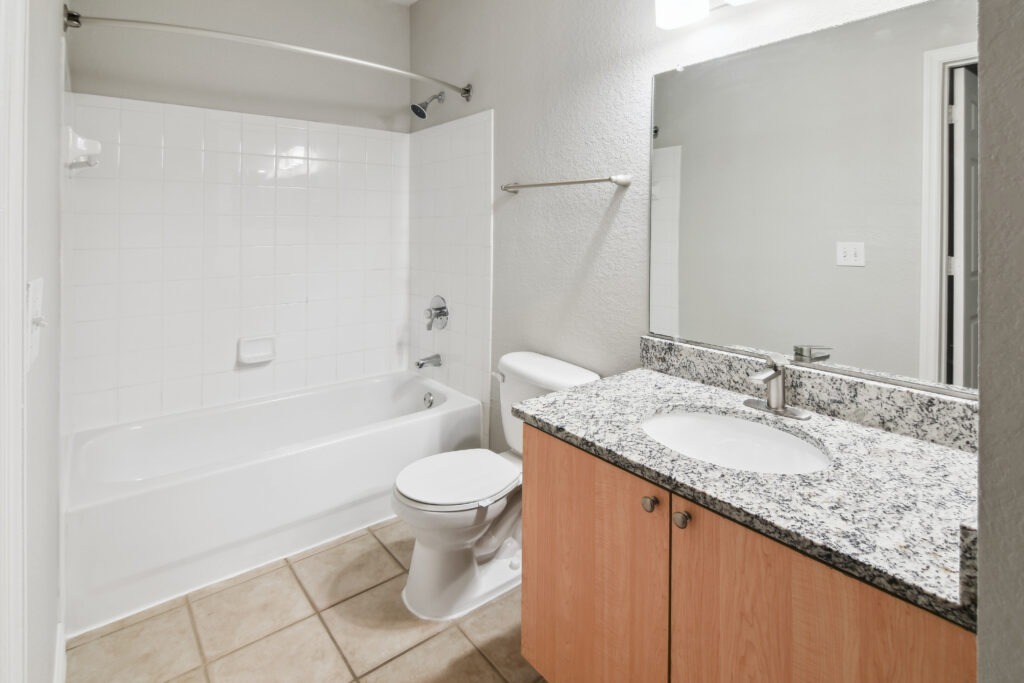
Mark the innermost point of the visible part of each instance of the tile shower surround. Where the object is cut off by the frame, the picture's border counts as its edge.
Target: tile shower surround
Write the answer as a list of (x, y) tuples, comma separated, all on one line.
[(202, 226), (450, 206)]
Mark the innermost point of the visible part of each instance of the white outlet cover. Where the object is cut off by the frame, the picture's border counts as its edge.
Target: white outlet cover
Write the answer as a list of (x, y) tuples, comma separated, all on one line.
[(850, 254)]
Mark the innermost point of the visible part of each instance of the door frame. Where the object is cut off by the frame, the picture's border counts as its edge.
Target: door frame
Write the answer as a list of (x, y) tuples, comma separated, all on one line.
[(937, 64), (13, 101)]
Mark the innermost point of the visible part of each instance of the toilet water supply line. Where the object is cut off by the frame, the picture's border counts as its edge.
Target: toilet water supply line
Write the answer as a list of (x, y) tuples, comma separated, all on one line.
[(77, 20)]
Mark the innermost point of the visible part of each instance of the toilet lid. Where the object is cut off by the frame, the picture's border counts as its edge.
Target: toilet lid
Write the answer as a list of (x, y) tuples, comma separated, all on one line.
[(457, 477)]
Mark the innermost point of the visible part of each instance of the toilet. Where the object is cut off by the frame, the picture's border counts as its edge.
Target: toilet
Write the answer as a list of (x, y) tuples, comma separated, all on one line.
[(465, 507)]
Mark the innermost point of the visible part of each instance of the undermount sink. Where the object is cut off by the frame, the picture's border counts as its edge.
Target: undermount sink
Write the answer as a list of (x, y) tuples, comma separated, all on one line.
[(736, 443)]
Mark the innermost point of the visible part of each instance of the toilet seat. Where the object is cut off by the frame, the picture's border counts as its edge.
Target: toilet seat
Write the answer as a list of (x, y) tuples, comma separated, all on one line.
[(457, 480)]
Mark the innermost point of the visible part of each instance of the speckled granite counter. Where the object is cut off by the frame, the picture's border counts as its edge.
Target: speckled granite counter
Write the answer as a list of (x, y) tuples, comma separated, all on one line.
[(890, 510)]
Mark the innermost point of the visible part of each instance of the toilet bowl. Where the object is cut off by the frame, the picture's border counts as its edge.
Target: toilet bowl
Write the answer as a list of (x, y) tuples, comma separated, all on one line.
[(465, 507)]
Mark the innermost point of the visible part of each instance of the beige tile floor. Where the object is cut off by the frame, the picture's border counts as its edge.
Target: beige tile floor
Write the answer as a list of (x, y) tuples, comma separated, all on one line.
[(333, 613)]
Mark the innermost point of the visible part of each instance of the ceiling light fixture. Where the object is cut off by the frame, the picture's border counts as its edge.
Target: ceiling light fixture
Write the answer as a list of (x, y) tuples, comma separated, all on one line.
[(670, 14)]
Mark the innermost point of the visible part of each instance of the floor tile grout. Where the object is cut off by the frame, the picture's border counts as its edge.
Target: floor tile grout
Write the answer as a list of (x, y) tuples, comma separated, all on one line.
[(320, 618), (188, 599), (206, 661), (386, 548), (482, 653), (365, 590), (405, 651), (195, 633)]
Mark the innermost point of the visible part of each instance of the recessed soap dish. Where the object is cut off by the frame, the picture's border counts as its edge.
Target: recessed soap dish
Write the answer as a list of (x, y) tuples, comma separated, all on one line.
[(81, 152), (255, 350)]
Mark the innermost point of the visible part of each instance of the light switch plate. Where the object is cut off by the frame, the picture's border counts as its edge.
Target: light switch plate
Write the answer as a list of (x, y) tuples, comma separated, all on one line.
[(850, 254)]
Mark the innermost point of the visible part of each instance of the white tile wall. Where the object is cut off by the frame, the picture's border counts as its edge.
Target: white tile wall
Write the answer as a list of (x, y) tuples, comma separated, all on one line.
[(451, 207), (201, 226)]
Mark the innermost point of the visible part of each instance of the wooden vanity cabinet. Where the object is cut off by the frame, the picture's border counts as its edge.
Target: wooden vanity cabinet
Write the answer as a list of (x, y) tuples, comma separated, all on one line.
[(614, 593), (595, 568)]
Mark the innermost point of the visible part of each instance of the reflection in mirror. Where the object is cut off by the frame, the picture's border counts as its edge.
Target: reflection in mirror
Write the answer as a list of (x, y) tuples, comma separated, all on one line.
[(823, 190)]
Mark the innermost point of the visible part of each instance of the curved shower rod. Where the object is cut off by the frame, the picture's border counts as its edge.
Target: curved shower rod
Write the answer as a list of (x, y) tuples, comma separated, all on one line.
[(76, 20)]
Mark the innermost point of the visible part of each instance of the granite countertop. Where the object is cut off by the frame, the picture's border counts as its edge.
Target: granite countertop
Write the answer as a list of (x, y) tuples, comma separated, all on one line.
[(893, 511)]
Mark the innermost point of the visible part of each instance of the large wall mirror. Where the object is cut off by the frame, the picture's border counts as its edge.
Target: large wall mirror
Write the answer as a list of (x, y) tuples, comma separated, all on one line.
[(823, 191)]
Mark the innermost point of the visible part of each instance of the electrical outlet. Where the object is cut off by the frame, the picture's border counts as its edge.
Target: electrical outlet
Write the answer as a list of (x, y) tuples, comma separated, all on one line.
[(850, 254)]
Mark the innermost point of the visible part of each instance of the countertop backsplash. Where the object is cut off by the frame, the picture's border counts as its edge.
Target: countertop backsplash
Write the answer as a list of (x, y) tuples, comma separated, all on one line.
[(928, 416)]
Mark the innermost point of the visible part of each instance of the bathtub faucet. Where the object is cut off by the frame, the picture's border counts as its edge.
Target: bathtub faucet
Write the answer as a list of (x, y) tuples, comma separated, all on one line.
[(434, 361)]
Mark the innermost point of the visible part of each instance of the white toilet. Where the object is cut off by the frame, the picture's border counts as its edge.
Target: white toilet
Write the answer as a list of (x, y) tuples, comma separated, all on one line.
[(465, 507)]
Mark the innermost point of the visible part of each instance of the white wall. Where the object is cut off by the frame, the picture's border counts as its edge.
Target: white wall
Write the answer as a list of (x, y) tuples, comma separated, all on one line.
[(199, 227), (202, 72), (1001, 533), (452, 186), (790, 149), (45, 85), (570, 83)]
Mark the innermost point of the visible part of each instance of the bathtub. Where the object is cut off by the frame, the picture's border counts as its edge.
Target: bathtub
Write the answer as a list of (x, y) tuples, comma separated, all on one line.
[(164, 506)]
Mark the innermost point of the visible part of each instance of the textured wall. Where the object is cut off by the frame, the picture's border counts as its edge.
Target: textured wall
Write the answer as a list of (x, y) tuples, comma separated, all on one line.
[(1001, 520), (570, 83), (42, 486), (201, 72)]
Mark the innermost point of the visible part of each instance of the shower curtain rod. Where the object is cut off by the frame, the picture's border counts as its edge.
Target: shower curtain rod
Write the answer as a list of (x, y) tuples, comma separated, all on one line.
[(76, 20)]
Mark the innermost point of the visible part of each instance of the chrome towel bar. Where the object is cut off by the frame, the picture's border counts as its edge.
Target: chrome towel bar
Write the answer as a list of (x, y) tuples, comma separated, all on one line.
[(620, 180)]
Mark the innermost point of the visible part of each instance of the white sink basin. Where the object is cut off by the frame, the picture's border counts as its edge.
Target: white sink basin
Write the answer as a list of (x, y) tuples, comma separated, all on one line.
[(736, 443)]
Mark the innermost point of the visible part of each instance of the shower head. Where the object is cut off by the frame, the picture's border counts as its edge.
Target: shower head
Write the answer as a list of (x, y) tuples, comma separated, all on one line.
[(421, 109)]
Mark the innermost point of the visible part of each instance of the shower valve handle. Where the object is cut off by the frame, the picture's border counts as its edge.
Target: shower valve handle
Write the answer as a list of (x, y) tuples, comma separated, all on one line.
[(437, 313)]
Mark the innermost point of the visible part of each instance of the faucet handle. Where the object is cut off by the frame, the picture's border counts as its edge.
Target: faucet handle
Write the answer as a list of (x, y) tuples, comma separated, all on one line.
[(765, 376), (809, 353), (438, 312)]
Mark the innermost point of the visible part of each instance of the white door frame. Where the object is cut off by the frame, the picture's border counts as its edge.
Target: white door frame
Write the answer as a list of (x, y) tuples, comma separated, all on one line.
[(13, 83), (937, 64)]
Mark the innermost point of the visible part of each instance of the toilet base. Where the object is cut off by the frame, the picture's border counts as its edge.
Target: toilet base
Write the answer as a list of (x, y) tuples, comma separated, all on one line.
[(447, 584)]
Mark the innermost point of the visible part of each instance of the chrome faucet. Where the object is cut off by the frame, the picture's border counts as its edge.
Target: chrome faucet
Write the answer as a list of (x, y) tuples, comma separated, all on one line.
[(810, 353), (774, 379), (434, 361)]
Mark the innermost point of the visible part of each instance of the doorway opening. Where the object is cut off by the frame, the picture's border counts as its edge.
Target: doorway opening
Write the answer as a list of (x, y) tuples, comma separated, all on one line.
[(960, 308), (950, 228)]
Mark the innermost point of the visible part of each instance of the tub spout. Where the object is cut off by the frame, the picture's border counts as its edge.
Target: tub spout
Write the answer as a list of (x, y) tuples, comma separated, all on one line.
[(434, 361)]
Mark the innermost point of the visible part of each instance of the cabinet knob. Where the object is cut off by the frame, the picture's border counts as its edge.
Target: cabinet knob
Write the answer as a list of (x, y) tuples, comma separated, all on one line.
[(648, 503), (681, 519)]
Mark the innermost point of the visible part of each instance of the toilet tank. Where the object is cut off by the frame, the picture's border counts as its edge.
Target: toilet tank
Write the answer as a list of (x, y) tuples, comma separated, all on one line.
[(528, 375)]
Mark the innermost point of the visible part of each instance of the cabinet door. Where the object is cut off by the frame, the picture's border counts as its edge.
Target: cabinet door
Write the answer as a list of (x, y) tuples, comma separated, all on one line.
[(746, 608), (595, 568)]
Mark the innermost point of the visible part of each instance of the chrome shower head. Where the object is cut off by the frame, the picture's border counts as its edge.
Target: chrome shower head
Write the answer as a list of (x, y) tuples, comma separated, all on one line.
[(421, 109)]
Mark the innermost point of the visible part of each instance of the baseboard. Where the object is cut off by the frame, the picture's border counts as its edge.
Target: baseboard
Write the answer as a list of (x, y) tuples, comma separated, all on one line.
[(60, 659)]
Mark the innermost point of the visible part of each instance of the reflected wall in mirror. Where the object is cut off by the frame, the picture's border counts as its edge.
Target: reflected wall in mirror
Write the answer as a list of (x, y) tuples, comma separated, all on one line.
[(823, 190)]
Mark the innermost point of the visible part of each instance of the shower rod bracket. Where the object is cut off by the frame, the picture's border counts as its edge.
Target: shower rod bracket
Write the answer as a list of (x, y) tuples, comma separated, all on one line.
[(71, 19)]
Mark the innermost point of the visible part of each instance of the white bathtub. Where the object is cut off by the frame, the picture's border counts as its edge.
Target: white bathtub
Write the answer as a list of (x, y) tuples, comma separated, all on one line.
[(162, 507)]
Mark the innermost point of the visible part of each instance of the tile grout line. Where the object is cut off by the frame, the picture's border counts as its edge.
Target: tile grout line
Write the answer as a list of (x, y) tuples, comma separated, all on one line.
[(365, 590), (261, 638), (482, 653), (192, 622), (388, 550), (195, 635), (409, 649), (320, 618), (129, 625)]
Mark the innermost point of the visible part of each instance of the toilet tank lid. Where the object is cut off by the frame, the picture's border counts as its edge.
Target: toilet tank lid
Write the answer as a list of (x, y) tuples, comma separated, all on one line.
[(544, 371)]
